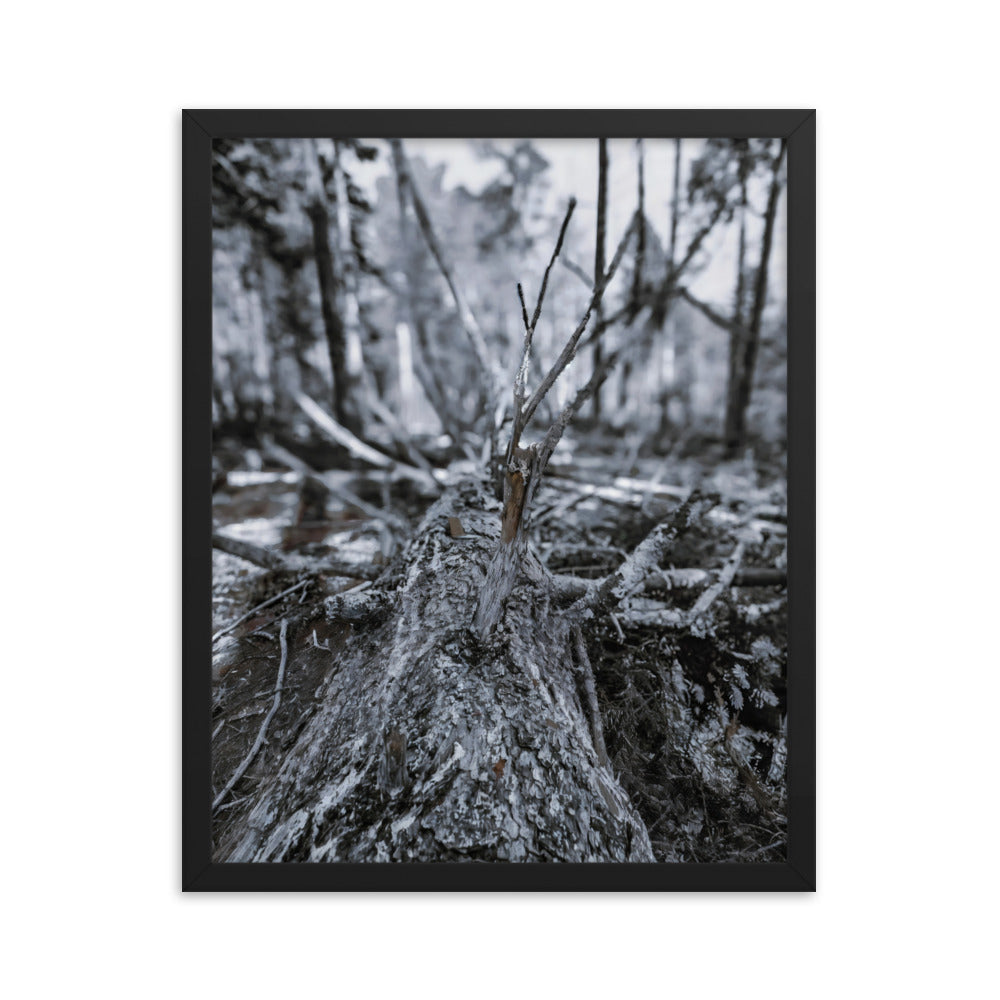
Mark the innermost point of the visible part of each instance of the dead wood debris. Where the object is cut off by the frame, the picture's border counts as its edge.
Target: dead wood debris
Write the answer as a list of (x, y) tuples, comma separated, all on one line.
[(594, 711), (262, 733)]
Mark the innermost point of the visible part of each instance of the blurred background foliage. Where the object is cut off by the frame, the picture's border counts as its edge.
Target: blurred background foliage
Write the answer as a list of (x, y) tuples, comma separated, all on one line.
[(496, 208)]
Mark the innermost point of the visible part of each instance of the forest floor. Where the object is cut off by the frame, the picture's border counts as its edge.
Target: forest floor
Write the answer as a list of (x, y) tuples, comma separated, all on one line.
[(590, 513)]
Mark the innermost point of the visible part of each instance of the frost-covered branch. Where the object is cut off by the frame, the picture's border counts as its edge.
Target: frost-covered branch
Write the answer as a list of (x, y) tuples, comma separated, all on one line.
[(726, 575), (569, 587), (646, 557)]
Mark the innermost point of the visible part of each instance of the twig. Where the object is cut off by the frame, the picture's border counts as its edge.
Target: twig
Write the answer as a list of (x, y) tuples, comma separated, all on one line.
[(587, 675), (726, 575), (552, 260), (274, 561), (234, 803), (260, 607), (521, 416), (737, 329), (617, 625), (569, 350), (524, 307), (668, 288), (259, 742), (600, 373), (579, 272)]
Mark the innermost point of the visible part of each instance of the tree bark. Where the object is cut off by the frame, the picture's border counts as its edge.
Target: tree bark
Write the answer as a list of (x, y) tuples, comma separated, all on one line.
[(739, 399), (737, 338), (431, 744), (600, 252), (637, 275), (330, 288)]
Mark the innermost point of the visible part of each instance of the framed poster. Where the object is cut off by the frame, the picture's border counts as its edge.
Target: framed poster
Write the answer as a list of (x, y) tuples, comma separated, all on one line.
[(499, 502)]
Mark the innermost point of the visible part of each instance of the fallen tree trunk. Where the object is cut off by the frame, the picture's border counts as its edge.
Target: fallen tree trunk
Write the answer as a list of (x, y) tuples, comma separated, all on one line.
[(431, 744)]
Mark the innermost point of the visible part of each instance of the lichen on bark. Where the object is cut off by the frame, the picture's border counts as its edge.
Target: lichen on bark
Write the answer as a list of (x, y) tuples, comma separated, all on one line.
[(432, 743)]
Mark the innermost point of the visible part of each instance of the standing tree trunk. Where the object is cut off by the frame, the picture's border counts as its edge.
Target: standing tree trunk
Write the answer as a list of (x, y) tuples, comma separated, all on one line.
[(737, 341), (424, 362), (637, 275), (739, 396), (345, 384), (675, 204), (678, 344), (600, 251)]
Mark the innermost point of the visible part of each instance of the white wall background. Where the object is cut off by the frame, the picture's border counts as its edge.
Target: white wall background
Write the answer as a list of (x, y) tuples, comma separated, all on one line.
[(90, 400)]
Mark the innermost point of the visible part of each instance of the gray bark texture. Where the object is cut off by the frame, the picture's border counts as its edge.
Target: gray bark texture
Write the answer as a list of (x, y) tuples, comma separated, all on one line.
[(431, 743)]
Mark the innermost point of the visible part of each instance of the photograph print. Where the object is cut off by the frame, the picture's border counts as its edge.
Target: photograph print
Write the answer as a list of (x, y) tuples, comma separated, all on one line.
[(499, 501)]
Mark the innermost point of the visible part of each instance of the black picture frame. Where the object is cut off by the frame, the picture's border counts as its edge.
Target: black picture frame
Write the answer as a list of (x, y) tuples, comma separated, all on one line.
[(200, 127)]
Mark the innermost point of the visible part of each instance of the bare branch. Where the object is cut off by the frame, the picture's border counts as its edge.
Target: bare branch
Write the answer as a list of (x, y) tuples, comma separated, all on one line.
[(255, 554), (269, 559), (262, 732), (260, 607), (341, 493), (646, 556), (356, 446), (587, 675), (524, 307), (521, 378), (574, 268), (421, 354), (569, 351), (600, 373), (726, 575), (709, 313), (552, 260), (465, 314), (699, 238), (668, 288), (569, 587)]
